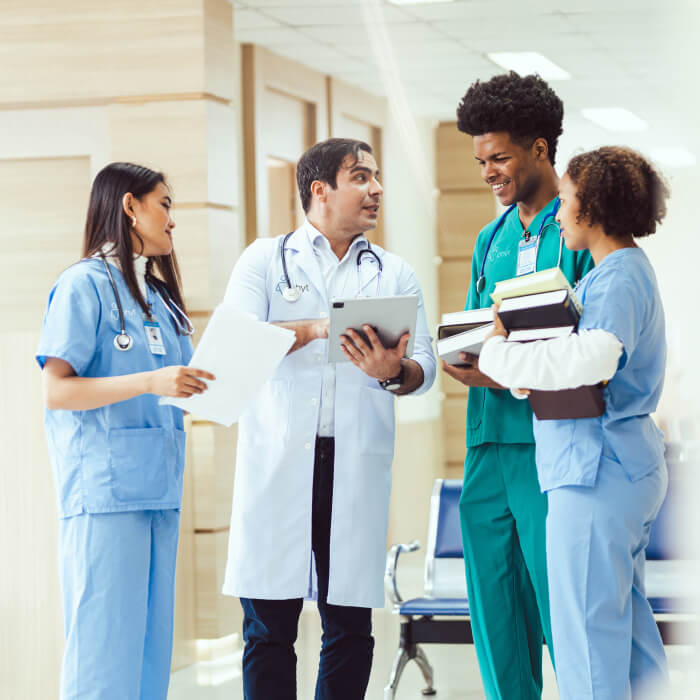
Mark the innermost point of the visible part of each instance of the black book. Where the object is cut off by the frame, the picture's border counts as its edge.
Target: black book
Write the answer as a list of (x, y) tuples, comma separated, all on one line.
[(543, 310)]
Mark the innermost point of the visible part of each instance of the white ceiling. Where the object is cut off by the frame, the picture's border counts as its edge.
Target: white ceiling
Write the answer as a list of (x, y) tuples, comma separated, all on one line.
[(638, 54)]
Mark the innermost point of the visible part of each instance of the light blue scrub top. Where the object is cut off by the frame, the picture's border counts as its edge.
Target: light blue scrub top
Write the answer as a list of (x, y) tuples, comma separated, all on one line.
[(620, 296), (129, 455)]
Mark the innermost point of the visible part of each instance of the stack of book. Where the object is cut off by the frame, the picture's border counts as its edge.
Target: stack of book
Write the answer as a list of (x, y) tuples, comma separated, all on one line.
[(541, 306), (463, 331)]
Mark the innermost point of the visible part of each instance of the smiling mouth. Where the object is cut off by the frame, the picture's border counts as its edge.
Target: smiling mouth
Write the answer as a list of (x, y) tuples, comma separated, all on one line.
[(374, 209), (497, 187)]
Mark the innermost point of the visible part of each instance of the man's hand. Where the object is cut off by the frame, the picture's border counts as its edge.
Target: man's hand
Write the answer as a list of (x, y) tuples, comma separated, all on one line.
[(373, 358), (470, 375), (306, 331)]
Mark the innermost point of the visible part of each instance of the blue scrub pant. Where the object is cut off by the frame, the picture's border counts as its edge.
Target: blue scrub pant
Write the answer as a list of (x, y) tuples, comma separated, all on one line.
[(606, 643), (118, 580), (270, 626)]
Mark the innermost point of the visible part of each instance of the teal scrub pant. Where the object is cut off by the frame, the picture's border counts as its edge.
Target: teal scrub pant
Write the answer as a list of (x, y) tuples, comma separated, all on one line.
[(503, 518), (118, 582)]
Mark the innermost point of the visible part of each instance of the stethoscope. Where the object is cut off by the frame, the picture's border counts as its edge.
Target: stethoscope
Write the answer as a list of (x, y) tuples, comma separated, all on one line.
[(292, 294), (481, 281), (123, 341)]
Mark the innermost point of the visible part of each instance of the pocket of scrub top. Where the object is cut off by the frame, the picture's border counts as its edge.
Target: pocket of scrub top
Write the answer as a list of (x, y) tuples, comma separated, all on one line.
[(141, 463), (376, 421)]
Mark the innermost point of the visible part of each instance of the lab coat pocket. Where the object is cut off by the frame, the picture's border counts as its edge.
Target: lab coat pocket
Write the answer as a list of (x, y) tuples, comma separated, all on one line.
[(271, 410), (376, 421), (141, 463)]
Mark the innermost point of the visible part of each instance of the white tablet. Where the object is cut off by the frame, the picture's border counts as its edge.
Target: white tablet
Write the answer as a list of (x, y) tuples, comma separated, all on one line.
[(390, 317)]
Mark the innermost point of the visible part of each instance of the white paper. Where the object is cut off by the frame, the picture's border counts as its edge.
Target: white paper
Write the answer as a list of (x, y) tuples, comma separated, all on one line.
[(242, 353)]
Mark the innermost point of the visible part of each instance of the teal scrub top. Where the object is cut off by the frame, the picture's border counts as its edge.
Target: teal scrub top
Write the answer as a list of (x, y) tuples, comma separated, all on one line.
[(129, 455), (620, 296), (494, 415)]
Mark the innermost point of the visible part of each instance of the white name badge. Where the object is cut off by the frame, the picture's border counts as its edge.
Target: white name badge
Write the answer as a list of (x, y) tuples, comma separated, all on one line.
[(527, 256), (154, 337)]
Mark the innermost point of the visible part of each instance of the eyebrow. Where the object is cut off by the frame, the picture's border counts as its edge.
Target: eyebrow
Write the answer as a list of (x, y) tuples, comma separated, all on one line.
[(364, 169), (493, 155)]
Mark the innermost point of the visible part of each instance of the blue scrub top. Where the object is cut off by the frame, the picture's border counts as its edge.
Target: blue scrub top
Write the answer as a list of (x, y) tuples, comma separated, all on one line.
[(129, 455), (620, 296)]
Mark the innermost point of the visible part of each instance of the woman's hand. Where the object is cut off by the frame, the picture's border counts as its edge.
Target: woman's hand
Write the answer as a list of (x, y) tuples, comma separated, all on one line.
[(498, 327), (178, 381)]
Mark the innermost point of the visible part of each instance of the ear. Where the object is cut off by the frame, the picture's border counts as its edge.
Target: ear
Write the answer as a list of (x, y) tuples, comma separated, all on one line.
[(319, 190), (128, 204), (541, 149)]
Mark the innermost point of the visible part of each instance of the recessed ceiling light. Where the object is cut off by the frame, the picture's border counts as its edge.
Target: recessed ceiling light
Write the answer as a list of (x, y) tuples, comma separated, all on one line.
[(674, 157), (416, 2), (526, 62), (615, 119)]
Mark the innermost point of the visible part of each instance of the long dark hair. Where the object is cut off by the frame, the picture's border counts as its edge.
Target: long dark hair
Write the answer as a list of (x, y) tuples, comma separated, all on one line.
[(108, 228)]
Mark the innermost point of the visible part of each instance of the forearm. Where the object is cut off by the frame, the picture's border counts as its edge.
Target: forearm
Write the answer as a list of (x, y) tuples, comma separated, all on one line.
[(306, 331), (87, 393), (565, 363), (413, 377)]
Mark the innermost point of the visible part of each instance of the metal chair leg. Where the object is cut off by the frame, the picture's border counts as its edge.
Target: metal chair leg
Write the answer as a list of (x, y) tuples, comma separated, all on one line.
[(427, 671), (400, 661)]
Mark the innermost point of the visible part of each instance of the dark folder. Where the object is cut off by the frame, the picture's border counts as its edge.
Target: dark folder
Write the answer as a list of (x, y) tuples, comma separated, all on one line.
[(582, 402)]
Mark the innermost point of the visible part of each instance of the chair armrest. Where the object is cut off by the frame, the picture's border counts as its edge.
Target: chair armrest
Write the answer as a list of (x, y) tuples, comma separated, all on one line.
[(392, 560)]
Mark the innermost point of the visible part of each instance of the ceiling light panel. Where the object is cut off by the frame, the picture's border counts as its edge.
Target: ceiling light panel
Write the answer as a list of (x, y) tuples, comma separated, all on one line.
[(615, 119), (526, 62)]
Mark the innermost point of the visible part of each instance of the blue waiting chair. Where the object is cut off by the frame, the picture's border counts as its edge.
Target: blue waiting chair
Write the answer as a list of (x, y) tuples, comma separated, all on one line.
[(441, 616)]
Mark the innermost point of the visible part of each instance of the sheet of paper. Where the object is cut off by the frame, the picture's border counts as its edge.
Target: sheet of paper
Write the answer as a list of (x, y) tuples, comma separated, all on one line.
[(242, 353)]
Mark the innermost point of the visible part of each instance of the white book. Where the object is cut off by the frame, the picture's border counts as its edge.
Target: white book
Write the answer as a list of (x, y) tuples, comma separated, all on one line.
[(461, 321), (526, 335), (470, 342), (547, 280)]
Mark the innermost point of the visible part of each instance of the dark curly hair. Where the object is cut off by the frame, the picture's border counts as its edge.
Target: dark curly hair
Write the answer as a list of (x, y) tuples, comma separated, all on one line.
[(620, 190), (323, 161), (526, 107)]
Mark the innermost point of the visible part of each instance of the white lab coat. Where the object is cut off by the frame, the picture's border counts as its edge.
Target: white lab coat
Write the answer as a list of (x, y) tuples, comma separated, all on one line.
[(270, 553)]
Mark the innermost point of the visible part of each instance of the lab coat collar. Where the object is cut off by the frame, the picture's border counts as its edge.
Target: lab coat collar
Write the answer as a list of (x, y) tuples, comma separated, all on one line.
[(300, 249)]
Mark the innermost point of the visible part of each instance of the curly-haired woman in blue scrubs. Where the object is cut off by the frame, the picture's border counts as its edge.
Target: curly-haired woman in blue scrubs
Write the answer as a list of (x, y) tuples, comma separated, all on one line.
[(605, 477), (115, 338)]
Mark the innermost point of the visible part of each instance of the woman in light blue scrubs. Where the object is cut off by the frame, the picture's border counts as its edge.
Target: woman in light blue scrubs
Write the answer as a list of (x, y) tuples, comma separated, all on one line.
[(115, 338), (605, 477)]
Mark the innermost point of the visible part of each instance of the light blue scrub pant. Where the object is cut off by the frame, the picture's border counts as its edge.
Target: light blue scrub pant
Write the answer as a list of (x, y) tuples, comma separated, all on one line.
[(606, 643), (118, 579)]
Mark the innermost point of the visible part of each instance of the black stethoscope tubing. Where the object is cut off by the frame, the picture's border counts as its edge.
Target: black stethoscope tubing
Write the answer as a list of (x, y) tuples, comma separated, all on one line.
[(122, 341), (292, 294), (481, 281)]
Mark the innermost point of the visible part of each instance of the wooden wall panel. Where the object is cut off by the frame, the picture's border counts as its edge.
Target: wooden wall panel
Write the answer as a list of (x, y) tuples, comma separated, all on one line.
[(82, 50), (217, 614), (457, 168), (43, 203), (461, 215), (174, 136), (454, 429), (453, 284), (213, 466)]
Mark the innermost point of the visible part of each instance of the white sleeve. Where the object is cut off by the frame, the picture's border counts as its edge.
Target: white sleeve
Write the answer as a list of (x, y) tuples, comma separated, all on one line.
[(586, 358), (423, 347), (247, 287)]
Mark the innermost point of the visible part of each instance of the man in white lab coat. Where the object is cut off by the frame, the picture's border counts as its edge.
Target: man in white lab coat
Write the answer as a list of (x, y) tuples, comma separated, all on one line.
[(313, 466)]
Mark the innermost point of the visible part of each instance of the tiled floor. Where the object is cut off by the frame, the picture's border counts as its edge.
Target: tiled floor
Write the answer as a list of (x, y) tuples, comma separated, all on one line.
[(456, 671)]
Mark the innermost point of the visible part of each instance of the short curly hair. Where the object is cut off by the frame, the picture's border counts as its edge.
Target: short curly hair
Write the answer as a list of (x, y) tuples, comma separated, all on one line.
[(526, 107), (620, 190)]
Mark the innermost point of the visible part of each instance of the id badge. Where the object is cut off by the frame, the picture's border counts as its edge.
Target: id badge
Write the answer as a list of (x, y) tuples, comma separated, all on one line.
[(154, 337), (527, 256)]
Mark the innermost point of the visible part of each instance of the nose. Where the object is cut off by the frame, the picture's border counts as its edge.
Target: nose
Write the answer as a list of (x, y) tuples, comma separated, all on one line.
[(376, 188), (488, 171)]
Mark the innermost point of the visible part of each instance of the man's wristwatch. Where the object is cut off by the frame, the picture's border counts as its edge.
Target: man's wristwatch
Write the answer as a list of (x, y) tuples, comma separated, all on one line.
[(394, 383)]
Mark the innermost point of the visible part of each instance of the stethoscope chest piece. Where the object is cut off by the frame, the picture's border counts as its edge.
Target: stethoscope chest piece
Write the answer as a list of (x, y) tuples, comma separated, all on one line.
[(480, 284), (291, 294), (123, 341)]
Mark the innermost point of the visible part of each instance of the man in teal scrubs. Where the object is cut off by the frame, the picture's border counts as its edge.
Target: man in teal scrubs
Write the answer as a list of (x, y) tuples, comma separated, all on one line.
[(515, 123)]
